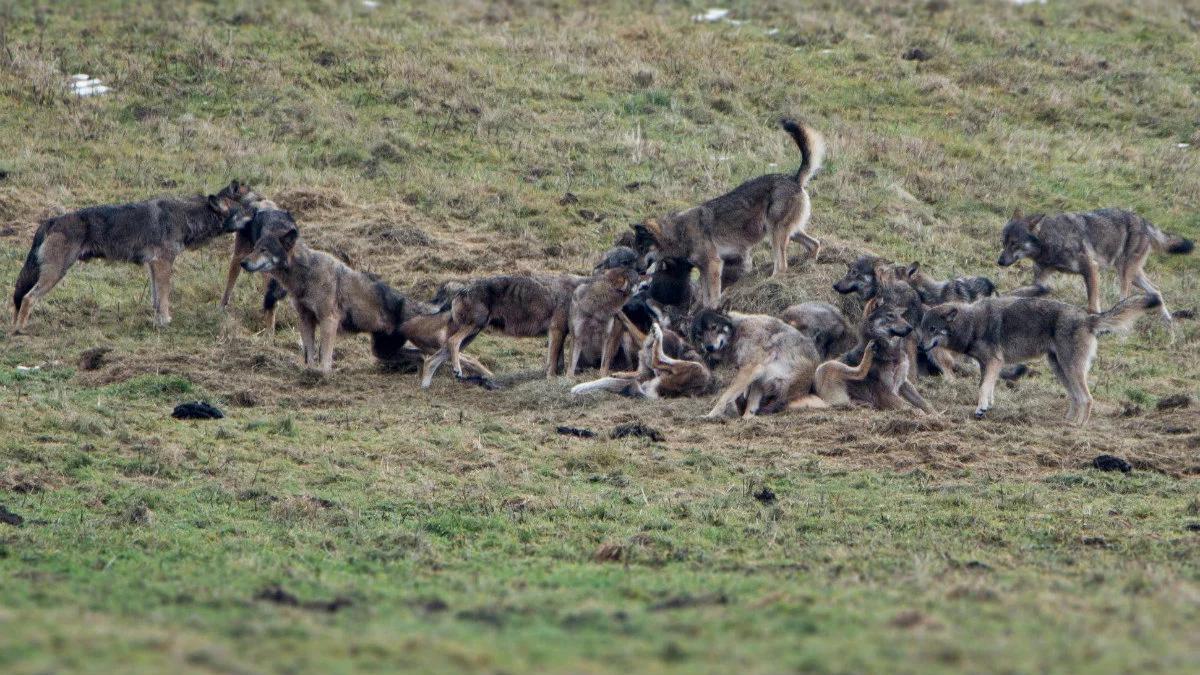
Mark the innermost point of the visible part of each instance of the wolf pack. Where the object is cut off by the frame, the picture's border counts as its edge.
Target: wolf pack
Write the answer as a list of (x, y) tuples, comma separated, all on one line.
[(650, 316)]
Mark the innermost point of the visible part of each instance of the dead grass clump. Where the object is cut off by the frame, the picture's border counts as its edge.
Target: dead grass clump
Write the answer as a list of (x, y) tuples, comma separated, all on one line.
[(306, 200), (765, 296), (399, 234), (21, 480)]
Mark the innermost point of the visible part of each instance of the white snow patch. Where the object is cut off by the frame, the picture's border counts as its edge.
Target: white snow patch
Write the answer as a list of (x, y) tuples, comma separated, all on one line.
[(711, 15), (83, 84)]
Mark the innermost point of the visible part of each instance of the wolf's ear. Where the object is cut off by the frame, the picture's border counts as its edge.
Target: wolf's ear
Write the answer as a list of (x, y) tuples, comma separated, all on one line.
[(1017, 215), (950, 313), (217, 204), (1034, 221), (654, 229), (912, 269), (288, 240)]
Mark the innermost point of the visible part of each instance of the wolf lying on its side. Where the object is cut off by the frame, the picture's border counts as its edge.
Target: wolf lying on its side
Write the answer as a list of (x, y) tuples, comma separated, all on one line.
[(151, 233)]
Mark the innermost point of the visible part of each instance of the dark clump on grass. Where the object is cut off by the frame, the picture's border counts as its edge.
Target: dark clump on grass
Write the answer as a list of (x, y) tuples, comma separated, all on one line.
[(916, 54), (93, 358), (278, 595), (637, 429), (197, 410), (9, 518), (1111, 463), (765, 495), (576, 431), (1175, 401), (687, 601)]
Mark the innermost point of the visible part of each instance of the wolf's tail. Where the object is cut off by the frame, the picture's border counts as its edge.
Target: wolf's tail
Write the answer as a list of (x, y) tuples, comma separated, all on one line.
[(274, 293), (1162, 241), (388, 345), (28, 276), (1123, 314), (812, 149)]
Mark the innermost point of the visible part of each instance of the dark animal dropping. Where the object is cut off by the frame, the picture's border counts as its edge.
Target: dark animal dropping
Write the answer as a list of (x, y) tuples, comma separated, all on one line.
[(196, 410), (1111, 463), (576, 431)]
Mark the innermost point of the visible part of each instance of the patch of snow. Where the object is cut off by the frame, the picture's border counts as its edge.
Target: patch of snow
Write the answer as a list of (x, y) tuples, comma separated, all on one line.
[(711, 15), (83, 84), (772, 31), (1028, 2), (1183, 145), (370, 4)]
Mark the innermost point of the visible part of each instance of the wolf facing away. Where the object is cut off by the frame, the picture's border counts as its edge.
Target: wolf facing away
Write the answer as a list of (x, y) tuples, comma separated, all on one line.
[(151, 233), (519, 306), (1082, 243), (728, 226), (327, 294), (996, 331), (594, 306)]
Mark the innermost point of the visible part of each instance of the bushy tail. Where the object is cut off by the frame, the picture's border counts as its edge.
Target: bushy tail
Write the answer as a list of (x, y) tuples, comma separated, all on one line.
[(274, 293), (28, 276), (388, 345), (1123, 314), (1170, 243), (812, 149)]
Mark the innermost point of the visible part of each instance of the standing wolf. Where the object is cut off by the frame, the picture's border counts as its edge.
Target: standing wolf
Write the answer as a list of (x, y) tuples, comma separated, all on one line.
[(150, 233), (996, 331), (1081, 243), (728, 226)]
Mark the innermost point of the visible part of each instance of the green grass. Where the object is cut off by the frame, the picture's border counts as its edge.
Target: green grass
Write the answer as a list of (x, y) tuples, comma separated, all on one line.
[(459, 531)]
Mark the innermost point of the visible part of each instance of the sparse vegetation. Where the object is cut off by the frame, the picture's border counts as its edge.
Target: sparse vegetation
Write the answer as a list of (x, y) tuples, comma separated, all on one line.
[(356, 522)]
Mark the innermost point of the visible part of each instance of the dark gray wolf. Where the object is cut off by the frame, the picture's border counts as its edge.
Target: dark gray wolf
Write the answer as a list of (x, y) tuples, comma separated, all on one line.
[(730, 225), (519, 306), (824, 324), (247, 225), (880, 379), (958, 289), (1081, 243), (659, 375), (327, 294), (774, 362), (996, 331), (150, 233)]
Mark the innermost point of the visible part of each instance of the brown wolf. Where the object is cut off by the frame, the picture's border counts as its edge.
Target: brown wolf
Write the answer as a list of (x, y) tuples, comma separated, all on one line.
[(520, 306), (327, 294), (658, 375), (150, 233), (996, 331), (774, 362), (728, 226), (594, 306), (247, 224), (1082, 243), (880, 379)]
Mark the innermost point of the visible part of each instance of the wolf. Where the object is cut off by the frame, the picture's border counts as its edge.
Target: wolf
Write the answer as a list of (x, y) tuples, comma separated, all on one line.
[(427, 327), (327, 294), (659, 375), (824, 324), (247, 224), (1082, 243), (594, 306), (880, 379), (996, 331), (730, 225), (520, 306), (958, 289), (151, 233), (773, 360)]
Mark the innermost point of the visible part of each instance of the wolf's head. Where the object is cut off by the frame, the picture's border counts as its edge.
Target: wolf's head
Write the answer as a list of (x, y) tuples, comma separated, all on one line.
[(936, 325), (1019, 238), (886, 322), (862, 276), (712, 330), (278, 235)]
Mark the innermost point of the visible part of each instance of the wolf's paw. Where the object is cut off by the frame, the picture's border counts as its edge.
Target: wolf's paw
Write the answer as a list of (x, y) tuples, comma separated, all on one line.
[(980, 413)]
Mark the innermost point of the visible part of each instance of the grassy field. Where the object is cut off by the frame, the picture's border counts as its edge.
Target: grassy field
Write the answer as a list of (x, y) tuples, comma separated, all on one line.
[(355, 522)]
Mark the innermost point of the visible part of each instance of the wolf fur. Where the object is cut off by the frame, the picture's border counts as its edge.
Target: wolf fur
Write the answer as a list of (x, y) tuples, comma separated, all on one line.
[(1082, 243), (996, 331)]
